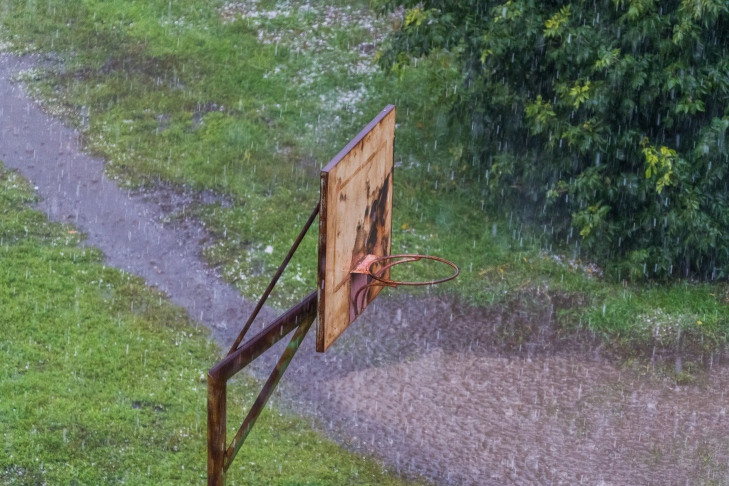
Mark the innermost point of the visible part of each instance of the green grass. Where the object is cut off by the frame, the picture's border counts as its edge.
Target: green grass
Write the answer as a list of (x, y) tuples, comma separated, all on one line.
[(250, 101), (103, 381)]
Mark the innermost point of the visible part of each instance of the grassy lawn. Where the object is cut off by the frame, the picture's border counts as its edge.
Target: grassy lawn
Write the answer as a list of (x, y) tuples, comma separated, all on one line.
[(103, 381)]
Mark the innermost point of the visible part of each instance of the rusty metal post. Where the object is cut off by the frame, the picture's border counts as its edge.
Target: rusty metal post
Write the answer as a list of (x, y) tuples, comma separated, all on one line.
[(299, 317), (220, 454), (217, 389)]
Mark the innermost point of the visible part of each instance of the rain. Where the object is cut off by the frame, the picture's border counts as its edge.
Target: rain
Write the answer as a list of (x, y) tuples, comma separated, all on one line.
[(491, 388)]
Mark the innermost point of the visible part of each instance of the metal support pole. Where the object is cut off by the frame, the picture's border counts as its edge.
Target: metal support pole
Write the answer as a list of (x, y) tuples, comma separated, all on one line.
[(217, 398), (220, 455), (301, 316)]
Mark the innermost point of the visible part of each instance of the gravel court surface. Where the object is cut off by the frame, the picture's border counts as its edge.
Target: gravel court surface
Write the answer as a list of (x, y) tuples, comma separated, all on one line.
[(418, 382)]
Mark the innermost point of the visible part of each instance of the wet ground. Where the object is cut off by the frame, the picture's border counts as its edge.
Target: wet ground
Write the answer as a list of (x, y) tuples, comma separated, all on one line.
[(428, 385), (129, 227)]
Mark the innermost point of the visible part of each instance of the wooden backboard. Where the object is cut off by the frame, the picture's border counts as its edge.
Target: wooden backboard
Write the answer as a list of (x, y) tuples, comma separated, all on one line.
[(355, 220)]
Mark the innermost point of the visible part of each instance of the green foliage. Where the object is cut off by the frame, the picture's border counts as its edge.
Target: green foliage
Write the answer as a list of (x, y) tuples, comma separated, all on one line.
[(605, 117)]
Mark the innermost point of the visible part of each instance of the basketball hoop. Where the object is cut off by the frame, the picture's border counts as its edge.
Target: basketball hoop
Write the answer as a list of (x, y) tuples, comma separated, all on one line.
[(377, 276), (407, 258), (355, 233)]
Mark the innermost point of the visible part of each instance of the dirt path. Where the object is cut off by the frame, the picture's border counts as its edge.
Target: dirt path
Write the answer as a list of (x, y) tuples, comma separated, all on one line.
[(416, 382)]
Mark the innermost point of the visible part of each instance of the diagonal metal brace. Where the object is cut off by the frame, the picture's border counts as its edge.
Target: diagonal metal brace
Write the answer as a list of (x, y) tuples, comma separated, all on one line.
[(220, 454), (299, 317), (275, 278)]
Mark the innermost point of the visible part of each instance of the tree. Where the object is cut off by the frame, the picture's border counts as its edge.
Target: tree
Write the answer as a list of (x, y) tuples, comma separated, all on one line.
[(608, 116)]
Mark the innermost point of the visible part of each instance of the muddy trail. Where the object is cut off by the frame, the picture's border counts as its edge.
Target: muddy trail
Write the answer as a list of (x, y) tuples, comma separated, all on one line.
[(425, 384)]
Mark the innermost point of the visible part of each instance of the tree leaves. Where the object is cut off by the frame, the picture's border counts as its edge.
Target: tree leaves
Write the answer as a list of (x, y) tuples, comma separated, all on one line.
[(555, 25), (617, 104), (659, 163)]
